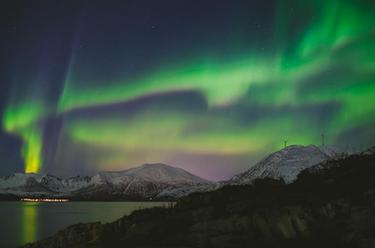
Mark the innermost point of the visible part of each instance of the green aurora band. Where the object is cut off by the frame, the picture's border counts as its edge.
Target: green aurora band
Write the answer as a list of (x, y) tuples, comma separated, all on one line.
[(329, 59)]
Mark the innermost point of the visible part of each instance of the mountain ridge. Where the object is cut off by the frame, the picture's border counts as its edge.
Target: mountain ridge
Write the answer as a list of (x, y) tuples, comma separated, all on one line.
[(145, 181), (161, 181)]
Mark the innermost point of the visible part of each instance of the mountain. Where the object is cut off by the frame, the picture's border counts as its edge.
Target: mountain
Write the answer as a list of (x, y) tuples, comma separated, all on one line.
[(285, 164), (143, 182), (146, 181), (330, 207), (22, 185)]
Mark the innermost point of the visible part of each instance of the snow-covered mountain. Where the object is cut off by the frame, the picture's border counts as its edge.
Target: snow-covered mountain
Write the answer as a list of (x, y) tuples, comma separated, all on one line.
[(285, 164), (146, 181)]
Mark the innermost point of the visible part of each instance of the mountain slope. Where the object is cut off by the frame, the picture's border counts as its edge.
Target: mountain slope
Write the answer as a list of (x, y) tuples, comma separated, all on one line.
[(285, 164)]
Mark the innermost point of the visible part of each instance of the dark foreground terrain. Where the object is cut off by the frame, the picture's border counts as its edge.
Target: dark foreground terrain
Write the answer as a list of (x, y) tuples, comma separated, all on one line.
[(330, 207)]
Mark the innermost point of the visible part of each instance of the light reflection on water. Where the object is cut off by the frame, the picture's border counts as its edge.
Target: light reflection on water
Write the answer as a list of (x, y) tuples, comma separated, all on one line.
[(29, 222), (24, 222)]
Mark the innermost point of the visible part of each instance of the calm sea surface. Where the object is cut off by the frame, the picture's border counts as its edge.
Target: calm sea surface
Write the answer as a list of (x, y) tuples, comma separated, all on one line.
[(23, 222)]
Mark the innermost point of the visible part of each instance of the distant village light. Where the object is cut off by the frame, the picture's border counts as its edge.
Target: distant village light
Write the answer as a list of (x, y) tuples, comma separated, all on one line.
[(43, 200)]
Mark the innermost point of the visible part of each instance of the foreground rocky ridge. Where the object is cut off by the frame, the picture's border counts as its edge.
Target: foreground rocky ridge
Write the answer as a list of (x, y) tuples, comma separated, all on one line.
[(330, 206)]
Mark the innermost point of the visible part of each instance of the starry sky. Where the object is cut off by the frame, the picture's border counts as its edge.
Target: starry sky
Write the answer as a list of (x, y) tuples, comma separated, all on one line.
[(207, 86)]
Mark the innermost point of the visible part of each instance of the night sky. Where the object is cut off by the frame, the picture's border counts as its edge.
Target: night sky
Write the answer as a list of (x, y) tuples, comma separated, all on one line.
[(208, 86)]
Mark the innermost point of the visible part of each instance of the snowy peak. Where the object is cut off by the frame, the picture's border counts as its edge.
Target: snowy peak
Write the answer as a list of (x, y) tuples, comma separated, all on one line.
[(164, 173), (285, 164), (146, 181), (157, 173)]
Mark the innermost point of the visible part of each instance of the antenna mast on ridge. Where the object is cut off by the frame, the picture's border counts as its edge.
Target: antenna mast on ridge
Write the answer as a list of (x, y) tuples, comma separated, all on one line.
[(285, 143)]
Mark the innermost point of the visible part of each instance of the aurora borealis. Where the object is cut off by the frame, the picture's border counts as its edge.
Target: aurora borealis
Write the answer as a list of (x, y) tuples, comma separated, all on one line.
[(210, 87)]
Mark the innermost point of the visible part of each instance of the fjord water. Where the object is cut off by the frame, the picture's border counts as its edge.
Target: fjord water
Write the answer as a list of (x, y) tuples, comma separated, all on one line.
[(24, 222)]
